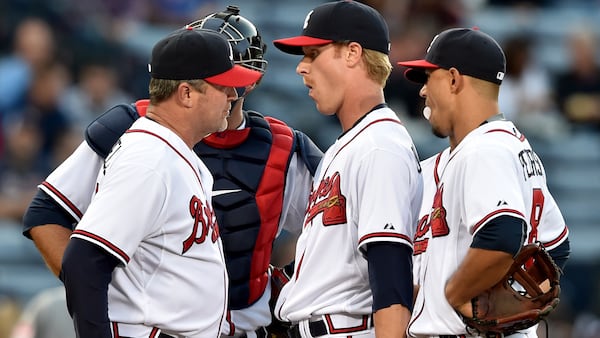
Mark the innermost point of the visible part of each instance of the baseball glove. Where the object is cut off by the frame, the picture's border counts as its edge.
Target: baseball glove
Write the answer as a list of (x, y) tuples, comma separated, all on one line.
[(525, 295)]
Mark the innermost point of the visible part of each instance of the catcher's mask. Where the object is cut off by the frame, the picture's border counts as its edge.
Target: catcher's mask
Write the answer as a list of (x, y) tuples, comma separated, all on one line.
[(247, 44)]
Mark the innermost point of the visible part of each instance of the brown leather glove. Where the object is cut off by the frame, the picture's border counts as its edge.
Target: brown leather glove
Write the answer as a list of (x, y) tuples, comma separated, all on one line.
[(525, 295)]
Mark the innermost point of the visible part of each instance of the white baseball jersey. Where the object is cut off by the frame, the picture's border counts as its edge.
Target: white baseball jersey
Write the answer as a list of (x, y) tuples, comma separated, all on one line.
[(152, 210), (367, 189), (74, 195), (492, 172)]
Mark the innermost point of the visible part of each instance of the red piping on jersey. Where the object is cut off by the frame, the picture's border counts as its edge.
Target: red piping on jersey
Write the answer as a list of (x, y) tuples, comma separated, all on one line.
[(384, 234), (494, 213), (170, 146), (115, 329), (362, 326), (227, 139), (230, 322), (521, 138), (560, 237), (299, 265), (436, 177), (420, 312), (63, 198), (153, 333), (269, 199), (103, 241), (141, 106)]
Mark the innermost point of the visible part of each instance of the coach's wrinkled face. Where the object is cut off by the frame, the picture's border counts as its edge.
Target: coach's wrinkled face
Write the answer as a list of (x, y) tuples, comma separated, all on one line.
[(212, 104)]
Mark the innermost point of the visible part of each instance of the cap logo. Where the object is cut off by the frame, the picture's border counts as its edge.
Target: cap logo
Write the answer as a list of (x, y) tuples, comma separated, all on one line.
[(500, 76), (306, 19), (431, 43)]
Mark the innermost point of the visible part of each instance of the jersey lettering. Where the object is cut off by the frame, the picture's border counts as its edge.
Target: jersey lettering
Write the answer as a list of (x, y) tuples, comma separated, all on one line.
[(204, 217), (327, 199), (420, 245), (438, 222), (531, 164)]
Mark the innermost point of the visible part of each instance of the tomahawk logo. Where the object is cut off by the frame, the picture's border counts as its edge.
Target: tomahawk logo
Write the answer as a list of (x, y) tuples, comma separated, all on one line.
[(327, 199)]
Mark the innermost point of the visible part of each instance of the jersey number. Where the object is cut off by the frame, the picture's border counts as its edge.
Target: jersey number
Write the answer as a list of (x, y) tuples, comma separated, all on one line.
[(537, 206)]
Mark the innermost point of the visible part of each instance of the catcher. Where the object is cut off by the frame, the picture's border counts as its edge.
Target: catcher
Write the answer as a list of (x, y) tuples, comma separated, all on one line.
[(485, 199)]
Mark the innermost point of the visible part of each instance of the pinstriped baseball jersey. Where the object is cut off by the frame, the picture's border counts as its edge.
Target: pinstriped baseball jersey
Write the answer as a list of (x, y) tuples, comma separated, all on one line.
[(492, 172), (367, 188), (152, 210)]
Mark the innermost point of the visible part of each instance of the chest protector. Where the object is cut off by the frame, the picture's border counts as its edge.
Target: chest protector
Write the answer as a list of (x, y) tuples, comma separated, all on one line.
[(249, 168)]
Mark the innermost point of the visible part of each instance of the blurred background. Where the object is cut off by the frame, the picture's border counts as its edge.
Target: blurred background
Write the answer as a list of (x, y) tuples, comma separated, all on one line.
[(64, 62)]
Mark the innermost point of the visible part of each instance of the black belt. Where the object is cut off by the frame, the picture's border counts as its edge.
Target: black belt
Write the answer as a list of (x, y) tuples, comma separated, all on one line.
[(317, 329)]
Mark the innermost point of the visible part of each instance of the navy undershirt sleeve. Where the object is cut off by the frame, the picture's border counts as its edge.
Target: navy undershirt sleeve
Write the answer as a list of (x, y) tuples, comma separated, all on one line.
[(503, 233), (43, 209), (390, 274), (561, 253), (86, 272)]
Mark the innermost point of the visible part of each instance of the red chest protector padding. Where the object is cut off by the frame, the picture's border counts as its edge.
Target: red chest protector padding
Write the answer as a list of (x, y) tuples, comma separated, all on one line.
[(255, 161)]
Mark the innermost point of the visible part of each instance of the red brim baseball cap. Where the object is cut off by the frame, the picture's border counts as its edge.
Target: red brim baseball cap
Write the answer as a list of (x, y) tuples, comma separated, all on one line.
[(237, 76), (294, 45), (471, 51), (340, 21), (416, 70), (191, 54)]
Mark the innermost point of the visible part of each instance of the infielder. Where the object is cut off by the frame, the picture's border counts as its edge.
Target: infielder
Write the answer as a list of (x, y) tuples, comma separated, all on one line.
[(353, 259), (484, 197), (262, 171), (146, 256)]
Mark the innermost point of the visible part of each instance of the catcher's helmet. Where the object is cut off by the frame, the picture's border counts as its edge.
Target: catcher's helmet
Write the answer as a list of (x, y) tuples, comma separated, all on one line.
[(246, 42)]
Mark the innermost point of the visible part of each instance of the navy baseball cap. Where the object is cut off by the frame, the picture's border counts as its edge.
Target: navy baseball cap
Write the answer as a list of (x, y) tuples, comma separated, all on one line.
[(191, 54), (471, 51), (340, 21)]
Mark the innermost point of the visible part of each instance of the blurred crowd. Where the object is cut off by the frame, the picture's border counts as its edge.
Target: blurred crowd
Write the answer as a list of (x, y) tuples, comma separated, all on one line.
[(64, 62)]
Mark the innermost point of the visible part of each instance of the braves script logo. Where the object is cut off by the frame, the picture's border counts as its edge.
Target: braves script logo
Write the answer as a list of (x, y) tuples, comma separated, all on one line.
[(327, 199), (436, 221), (205, 219)]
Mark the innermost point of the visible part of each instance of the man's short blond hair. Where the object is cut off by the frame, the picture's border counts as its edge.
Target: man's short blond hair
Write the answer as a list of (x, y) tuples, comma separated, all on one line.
[(378, 64)]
